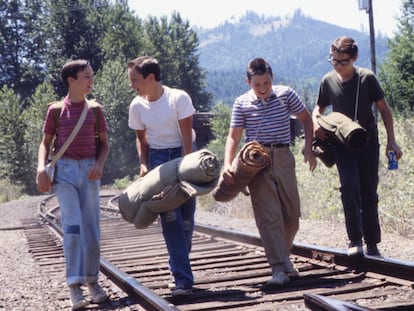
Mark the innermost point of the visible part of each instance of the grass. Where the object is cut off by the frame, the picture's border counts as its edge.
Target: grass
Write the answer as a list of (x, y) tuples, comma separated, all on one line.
[(319, 190), (10, 191)]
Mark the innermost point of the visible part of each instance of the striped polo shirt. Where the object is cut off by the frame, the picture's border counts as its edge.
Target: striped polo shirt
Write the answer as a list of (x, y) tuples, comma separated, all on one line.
[(267, 121), (83, 146)]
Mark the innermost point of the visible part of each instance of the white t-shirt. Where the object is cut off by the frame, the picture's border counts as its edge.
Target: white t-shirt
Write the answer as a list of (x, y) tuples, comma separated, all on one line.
[(160, 117)]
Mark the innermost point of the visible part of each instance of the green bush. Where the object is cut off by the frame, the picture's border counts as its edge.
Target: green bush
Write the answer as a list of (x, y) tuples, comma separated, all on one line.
[(122, 183), (319, 190), (395, 188), (10, 191)]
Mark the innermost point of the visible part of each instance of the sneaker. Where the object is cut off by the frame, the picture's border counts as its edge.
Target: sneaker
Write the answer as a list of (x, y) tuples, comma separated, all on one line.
[(181, 291), (77, 298), (171, 283), (97, 293), (355, 249), (372, 250), (279, 278), (293, 273)]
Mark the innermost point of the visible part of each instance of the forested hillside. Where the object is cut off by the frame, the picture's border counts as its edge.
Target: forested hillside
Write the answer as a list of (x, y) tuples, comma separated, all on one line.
[(38, 37), (297, 48)]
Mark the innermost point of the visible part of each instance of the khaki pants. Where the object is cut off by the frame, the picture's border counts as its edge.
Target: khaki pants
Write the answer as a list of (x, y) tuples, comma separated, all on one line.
[(276, 206)]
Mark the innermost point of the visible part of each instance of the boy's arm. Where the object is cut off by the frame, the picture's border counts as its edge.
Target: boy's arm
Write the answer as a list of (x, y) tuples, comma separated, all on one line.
[(42, 180), (232, 142), (103, 149), (96, 171), (388, 121), (186, 129), (306, 119), (142, 149)]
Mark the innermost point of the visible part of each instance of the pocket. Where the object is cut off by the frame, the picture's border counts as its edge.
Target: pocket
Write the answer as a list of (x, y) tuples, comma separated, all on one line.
[(50, 171)]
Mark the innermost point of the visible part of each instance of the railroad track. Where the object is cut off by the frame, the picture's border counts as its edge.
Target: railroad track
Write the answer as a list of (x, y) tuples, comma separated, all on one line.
[(229, 267)]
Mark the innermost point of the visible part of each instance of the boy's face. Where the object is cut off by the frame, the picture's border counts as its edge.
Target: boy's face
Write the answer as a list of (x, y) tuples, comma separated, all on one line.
[(84, 82), (137, 81), (342, 63), (261, 85)]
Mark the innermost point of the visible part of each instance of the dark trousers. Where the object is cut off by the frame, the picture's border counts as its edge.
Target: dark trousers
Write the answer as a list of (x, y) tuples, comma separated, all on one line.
[(358, 174)]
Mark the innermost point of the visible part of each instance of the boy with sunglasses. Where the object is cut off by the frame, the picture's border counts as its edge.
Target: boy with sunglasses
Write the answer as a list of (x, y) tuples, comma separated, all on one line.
[(353, 91)]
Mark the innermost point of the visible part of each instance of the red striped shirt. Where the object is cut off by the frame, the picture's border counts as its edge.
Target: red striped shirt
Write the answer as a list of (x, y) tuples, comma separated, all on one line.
[(83, 146)]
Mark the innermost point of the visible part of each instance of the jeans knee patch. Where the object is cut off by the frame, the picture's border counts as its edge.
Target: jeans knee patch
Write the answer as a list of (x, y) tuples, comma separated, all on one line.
[(73, 229)]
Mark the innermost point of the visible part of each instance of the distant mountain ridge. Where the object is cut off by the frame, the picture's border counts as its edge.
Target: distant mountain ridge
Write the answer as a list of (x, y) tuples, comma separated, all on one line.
[(297, 48)]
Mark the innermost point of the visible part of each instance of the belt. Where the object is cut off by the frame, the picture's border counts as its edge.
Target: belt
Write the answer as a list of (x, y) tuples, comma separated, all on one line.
[(276, 145), (165, 149)]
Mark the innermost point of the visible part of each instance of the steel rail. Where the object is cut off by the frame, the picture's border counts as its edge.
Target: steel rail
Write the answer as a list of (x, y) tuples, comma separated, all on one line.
[(381, 265), (131, 286), (387, 269)]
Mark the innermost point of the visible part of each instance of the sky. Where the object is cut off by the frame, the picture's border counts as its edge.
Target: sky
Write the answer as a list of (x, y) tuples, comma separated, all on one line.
[(211, 13)]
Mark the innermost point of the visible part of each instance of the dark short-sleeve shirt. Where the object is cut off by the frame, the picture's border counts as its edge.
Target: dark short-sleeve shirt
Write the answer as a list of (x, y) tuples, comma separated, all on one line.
[(342, 96)]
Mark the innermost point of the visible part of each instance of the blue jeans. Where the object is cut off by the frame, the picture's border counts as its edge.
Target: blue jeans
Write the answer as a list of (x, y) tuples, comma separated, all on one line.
[(177, 226), (79, 204), (358, 174)]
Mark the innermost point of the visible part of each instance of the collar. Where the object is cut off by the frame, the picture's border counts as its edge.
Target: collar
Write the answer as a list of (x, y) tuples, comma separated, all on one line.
[(270, 98)]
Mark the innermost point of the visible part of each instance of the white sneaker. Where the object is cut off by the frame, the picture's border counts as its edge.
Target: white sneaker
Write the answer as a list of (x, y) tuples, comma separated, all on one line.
[(77, 298), (279, 278), (171, 283), (293, 273), (97, 293), (355, 251)]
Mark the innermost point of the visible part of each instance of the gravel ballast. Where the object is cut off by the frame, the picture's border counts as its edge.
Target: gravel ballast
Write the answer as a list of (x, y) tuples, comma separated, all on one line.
[(25, 287)]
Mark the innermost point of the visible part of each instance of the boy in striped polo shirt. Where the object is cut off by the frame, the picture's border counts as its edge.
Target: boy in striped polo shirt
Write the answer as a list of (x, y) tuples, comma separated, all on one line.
[(264, 113)]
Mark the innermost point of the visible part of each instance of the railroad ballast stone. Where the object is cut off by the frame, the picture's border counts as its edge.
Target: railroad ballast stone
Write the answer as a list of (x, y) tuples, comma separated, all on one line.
[(26, 287)]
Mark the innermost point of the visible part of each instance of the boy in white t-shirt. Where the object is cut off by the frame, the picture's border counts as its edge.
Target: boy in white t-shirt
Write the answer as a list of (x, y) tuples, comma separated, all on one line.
[(162, 118)]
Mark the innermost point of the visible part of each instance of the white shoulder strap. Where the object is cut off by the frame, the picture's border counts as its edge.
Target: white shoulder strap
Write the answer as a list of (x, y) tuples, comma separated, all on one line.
[(357, 95)]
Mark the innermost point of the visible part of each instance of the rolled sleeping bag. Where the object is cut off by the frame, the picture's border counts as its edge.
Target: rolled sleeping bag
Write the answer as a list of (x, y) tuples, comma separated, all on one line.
[(144, 188), (251, 159), (199, 172), (168, 186), (343, 129), (170, 198)]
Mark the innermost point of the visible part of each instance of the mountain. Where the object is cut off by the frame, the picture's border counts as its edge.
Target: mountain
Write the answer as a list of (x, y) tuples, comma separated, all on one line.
[(296, 47)]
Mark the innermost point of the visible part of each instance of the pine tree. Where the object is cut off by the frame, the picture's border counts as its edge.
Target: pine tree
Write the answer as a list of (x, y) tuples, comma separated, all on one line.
[(22, 46), (397, 71), (175, 44), (13, 155)]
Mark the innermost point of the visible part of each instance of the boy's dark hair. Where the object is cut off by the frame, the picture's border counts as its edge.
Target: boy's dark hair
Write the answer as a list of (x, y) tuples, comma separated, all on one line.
[(258, 66), (71, 69), (146, 65), (345, 45)]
